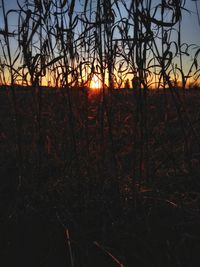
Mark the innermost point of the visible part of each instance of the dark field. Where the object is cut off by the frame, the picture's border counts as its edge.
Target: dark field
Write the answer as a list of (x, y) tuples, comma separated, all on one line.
[(87, 182)]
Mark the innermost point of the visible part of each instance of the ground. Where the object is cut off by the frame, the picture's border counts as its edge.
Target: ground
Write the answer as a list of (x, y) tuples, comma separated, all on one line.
[(93, 182)]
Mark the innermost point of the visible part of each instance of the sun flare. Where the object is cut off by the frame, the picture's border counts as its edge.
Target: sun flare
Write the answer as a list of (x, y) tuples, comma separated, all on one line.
[(95, 82)]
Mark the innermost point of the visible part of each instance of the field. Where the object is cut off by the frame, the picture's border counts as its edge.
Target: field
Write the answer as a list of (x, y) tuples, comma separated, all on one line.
[(88, 180)]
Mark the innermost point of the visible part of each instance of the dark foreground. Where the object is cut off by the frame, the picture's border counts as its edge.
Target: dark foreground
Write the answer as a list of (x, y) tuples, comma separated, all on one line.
[(91, 183)]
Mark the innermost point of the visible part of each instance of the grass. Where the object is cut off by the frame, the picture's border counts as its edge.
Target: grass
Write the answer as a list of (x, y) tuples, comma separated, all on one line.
[(107, 177), (148, 221)]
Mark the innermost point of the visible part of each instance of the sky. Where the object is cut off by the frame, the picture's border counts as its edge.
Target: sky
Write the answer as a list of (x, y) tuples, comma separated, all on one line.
[(190, 25), (190, 28)]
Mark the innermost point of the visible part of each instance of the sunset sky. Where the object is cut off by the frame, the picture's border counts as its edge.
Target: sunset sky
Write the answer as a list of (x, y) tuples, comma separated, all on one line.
[(190, 27)]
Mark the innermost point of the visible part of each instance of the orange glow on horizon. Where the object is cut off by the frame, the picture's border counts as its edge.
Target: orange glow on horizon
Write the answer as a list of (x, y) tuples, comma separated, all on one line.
[(95, 82)]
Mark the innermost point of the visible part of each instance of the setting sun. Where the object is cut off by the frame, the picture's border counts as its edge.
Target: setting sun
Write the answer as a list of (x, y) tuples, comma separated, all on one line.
[(95, 82)]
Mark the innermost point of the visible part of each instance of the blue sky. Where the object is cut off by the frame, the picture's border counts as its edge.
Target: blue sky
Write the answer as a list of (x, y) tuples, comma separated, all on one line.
[(190, 27)]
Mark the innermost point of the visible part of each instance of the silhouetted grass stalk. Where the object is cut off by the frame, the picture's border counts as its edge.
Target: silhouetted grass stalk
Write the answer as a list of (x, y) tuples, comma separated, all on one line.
[(17, 128)]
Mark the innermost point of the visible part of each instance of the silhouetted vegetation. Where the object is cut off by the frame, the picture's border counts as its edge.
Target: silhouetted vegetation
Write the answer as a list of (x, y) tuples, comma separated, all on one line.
[(105, 177)]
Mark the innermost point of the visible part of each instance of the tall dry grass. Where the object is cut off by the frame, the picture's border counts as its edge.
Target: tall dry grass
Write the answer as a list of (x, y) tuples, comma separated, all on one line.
[(65, 44)]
